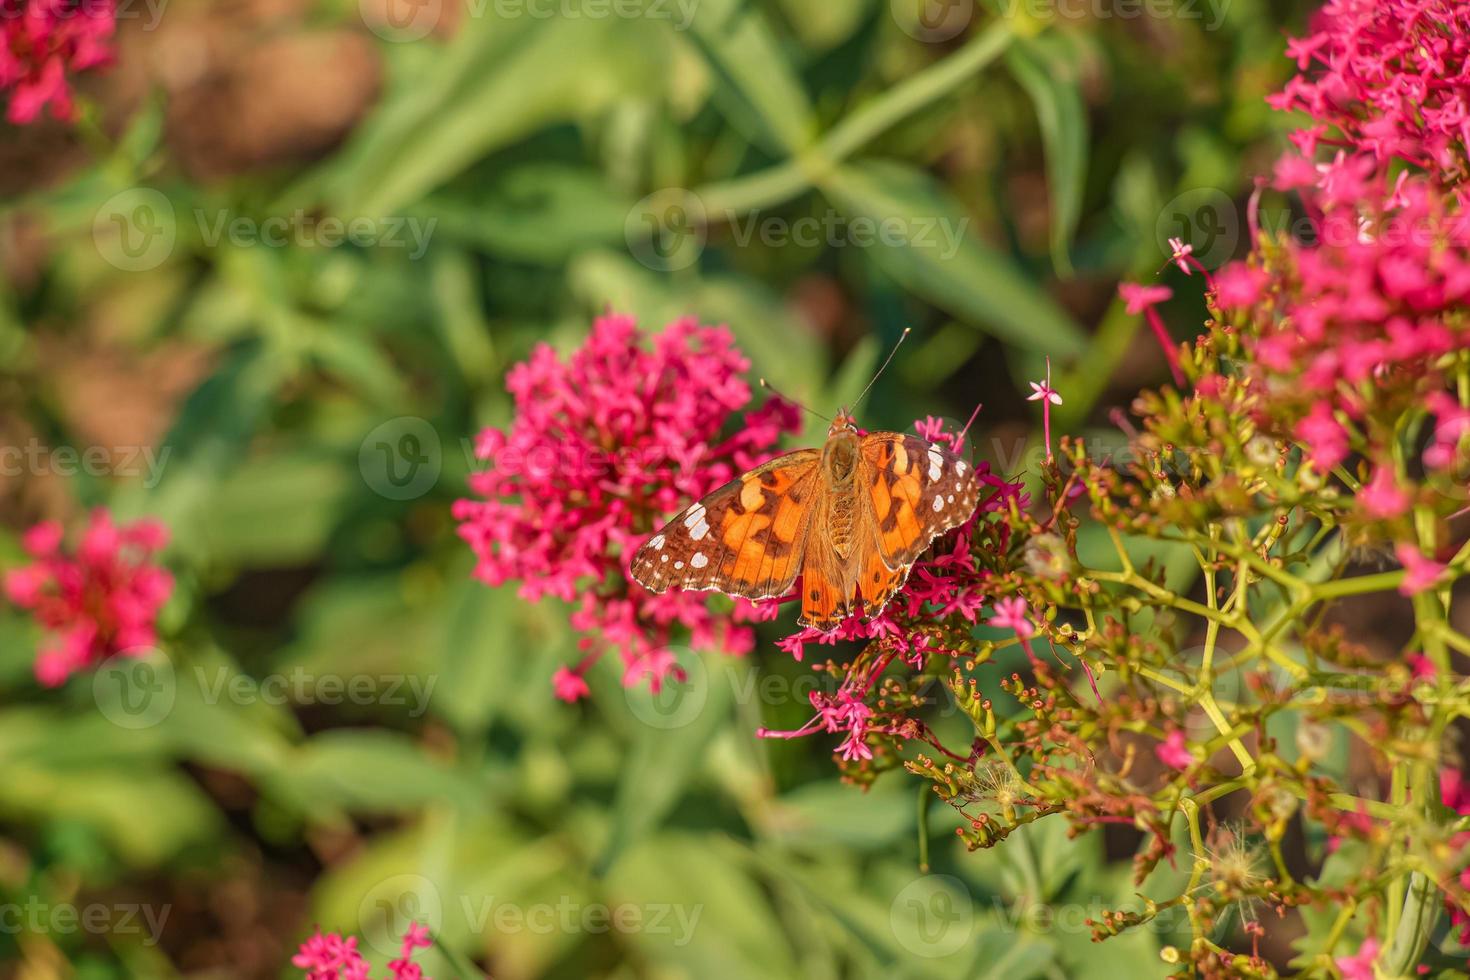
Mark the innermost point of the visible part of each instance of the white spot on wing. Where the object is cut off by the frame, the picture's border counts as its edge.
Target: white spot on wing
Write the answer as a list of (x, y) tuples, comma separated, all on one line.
[(936, 464), (678, 564), (664, 558), (959, 467), (698, 531), (656, 542), (699, 560), (694, 516), (938, 504)]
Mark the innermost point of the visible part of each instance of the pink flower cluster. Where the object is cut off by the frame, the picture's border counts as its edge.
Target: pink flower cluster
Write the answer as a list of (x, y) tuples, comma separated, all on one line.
[(100, 601), (1456, 795), (43, 43), (1390, 79), (330, 957), (605, 445)]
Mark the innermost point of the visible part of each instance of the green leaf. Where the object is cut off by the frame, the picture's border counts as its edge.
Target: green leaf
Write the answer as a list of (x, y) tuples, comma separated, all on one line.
[(543, 213), (756, 86), (498, 81), (921, 241), (1047, 72), (714, 918), (366, 770), (676, 728)]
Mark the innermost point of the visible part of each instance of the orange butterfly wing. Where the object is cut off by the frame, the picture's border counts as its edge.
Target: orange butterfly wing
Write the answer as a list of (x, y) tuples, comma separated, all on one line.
[(745, 539), (914, 491)]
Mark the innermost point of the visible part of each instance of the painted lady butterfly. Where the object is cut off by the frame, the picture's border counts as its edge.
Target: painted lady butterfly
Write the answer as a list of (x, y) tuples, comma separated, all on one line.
[(850, 518)]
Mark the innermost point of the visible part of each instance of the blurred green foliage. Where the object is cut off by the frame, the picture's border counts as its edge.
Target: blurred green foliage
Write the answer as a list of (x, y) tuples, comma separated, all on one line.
[(561, 166)]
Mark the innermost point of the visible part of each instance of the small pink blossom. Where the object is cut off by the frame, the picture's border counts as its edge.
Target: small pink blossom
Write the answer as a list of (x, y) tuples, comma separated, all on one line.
[(1043, 391), (1181, 254), (1420, 573), (1139, 297), (1239, 285), (1324, 437), (331, 957), (100, 602), (1142, 299), (45, 42), (1382, 497), (1011, 614), (568, 685), (1173, 752), (1359, 966)]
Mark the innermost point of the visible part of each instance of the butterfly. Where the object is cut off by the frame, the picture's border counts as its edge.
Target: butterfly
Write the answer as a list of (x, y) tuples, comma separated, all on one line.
[(850, 518)]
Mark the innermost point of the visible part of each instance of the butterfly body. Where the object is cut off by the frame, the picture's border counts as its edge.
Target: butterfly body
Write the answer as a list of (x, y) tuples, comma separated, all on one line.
[(850, 519)]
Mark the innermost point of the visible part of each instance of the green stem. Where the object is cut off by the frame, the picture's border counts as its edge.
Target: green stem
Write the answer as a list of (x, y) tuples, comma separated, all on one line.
[(784, 181)]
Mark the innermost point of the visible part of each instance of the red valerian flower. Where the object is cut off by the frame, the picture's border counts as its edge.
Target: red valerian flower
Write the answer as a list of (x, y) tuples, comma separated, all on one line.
[(1390, 76), (605, 444), (1174, 752), (45, 42), (331, 957), (103, 600)]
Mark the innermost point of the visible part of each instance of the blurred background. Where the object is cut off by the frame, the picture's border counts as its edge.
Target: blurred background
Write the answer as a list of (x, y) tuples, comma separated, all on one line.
[(269, 285)]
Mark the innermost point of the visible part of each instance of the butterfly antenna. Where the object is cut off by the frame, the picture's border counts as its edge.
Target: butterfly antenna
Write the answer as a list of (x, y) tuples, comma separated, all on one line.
[(772, 389), (973, 415), (902, 337)]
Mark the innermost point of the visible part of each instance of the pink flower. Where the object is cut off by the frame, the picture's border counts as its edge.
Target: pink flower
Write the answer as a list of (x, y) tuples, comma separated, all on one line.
[(1359, 966), (1143, 299), (1238, 285), (1181, 254), (1420, 573), (1382, 497), (1324, 437), (1173, 752), (605, 445), (569, 685), (1140, 298), (1047, 395), (1042, 390), (43, 43), (101, 602), (330, 957), (1388, 76), (1011, 614)]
